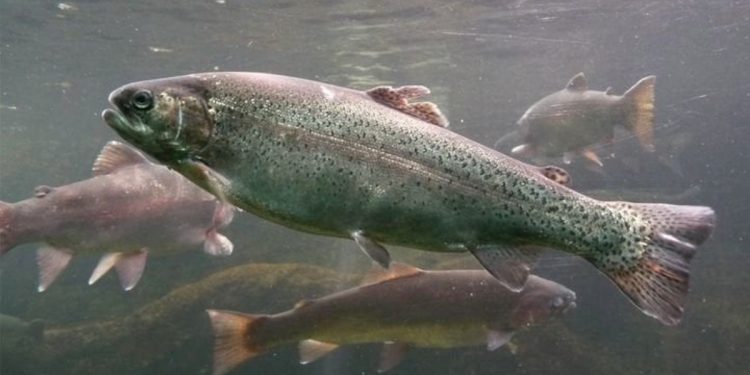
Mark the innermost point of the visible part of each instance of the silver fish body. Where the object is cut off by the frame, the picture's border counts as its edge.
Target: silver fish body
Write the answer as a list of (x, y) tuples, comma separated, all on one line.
[(575, 120), (129, 208), (338, 162)]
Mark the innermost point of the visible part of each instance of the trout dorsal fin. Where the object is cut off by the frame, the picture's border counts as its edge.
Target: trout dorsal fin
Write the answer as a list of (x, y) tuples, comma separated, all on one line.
[(398, 98), (116, 155), (378, 274), (578, 83)]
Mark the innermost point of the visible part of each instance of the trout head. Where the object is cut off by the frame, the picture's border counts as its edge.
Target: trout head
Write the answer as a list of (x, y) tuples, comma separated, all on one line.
[(540, 300), (169, 118)]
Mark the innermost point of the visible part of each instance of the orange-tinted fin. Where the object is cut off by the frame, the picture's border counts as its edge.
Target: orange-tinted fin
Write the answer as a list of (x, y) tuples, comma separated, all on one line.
[(398, 98), (591, 156), (116, 155), (232, 339), (510, 265), (640, 121), (657, 281), (312, 350), (397, 270), (578, 83), (51, 262), (556, 174), (391, 355)]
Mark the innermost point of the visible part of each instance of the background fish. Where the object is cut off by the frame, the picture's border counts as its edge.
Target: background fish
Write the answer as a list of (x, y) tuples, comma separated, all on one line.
[(574, 119), (129, 208), (402, 308), (14, 329), (339, 162)]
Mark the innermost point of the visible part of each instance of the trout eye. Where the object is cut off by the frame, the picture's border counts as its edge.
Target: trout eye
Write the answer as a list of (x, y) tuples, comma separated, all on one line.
[(143, 100)]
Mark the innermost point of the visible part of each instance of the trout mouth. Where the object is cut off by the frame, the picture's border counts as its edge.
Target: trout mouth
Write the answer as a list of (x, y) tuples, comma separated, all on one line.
[(127, 129)]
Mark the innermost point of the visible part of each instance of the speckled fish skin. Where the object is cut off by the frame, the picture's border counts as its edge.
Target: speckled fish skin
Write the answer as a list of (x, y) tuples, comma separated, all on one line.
[(128, 208), (437, 309), (329, 160)]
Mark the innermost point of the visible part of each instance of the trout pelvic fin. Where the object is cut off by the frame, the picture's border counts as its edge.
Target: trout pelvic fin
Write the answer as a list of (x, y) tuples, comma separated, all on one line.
[(232, 339), (312, 350), (509, 265), (373, 249), (641, 111), (657, 282), (496, 339), (398, 98), (51, 261), (116, 155)]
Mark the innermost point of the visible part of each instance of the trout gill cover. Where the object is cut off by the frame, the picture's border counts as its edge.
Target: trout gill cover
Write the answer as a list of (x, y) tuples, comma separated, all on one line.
[(377, 168)]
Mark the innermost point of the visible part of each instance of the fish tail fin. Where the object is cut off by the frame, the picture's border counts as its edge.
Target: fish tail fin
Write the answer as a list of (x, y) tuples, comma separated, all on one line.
[(640, 121), (233, 341), (6, 240), (657, 280)]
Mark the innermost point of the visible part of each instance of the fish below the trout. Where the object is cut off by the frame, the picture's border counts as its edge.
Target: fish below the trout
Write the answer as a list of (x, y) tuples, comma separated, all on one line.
[(402, 307), (130, 207), (378, 168)]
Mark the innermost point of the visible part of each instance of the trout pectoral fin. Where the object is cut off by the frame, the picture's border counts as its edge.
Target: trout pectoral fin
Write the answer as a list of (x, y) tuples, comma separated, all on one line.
[(496, 339), (217, 244), (373, 249), (311, 350), (396, 270), (205, 177), (509, 265), (129, 268), (51, 261), (391, 355)]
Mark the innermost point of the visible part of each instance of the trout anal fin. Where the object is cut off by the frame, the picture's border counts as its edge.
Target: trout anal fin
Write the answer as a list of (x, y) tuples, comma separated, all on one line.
[(312, 350), (509, 265), (398, 98), (391, 355), (51, 261)]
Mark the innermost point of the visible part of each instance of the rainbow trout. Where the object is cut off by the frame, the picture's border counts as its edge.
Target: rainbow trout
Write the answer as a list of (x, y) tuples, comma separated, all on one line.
[(379, 169), (574, 119), (130, 207), (403, 307)]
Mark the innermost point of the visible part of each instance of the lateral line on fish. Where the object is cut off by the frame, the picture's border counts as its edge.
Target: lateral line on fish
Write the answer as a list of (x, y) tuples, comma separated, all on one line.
[(365, 152)]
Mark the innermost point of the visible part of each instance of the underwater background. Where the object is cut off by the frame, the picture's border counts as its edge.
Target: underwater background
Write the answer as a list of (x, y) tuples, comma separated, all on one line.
[(485, 62)]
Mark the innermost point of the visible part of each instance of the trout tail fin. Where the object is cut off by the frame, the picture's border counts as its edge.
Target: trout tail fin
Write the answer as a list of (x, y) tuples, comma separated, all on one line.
[(6, 239), (657, 280), (233, 341), (640, 102)]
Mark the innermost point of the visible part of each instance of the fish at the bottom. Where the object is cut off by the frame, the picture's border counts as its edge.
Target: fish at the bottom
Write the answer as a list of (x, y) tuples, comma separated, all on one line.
[(402, 307)]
